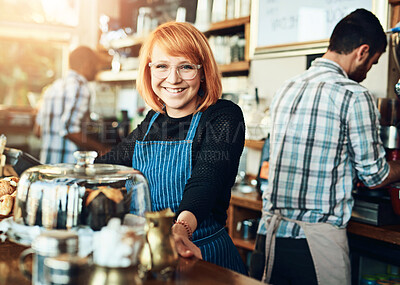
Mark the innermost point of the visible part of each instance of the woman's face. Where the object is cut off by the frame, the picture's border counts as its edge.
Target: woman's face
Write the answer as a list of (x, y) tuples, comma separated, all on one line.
[(179, 95)]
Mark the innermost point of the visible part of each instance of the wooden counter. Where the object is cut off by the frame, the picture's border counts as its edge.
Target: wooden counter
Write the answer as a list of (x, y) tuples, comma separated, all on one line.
[(389, 234), (16, 119), (252, 201), (189, 271), (9, 271)]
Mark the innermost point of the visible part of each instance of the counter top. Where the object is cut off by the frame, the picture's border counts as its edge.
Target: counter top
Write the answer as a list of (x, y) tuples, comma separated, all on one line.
[(389, 234), (16, 119), (9, 271), (189, 270)]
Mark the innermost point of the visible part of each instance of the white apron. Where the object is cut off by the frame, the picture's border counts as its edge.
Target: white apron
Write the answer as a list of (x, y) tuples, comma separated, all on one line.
[(328, 246)]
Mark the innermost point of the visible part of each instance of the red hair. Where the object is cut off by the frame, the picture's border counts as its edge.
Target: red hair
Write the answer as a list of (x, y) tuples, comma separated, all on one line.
[(180, 39)]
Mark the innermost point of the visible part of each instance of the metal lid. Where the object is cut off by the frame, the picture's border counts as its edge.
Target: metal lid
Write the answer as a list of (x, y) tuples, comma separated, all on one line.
[(83, 170), (55, 242)]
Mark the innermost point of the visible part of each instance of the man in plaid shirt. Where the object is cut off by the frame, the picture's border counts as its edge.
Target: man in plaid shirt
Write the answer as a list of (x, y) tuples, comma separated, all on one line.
[(64, 108), (324, 138)]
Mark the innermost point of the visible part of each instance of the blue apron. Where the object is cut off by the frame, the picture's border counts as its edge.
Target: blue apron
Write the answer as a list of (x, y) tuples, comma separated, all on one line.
[(167, 165)]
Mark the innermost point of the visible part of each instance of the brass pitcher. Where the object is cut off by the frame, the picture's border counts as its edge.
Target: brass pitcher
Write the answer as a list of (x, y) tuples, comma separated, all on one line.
[(159, 255)]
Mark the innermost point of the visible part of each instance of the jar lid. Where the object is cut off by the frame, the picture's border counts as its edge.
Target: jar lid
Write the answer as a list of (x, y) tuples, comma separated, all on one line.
[(55, 242)]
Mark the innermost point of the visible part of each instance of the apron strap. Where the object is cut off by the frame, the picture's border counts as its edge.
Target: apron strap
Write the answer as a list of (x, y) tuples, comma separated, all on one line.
[(270, 245), (193, 126), (155, 116)]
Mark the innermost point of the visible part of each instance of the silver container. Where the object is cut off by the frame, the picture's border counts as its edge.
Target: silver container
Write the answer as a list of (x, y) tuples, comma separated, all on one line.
[(65, 196), (389, 108), (390, 136)]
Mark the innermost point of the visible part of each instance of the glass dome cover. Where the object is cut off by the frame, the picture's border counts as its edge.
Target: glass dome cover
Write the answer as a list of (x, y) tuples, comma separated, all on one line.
[(64, 196)]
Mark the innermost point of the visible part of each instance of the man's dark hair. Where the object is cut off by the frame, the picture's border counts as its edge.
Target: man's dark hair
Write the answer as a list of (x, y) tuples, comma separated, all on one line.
[(358, 28), (79, 56)]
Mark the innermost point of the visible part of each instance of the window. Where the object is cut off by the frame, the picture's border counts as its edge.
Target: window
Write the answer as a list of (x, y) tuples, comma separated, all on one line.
[(61, 12), (25, 68), (35, 36)]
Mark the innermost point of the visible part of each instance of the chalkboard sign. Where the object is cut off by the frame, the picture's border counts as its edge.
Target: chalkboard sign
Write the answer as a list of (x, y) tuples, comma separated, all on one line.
[(293, 21)]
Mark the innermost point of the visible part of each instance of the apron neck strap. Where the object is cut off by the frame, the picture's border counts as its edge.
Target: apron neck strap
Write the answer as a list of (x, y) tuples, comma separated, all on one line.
[(155, 116), (192, 128)]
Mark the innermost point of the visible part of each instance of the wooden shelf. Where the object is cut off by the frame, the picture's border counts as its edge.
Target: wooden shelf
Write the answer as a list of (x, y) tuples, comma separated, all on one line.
[(227, 26), (246, 244), (110, 76), (129, 41), (247, 200), (243, 206), (240, 66), (254, 144)]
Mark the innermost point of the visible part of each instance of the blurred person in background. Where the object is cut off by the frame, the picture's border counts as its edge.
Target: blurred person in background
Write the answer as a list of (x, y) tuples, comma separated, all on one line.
[(64, 110)]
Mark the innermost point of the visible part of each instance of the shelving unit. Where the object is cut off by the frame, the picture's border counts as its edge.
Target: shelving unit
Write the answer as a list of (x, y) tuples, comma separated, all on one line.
[(129, 41), (228, 27), (122, 76), (231, 27), (243, 206)]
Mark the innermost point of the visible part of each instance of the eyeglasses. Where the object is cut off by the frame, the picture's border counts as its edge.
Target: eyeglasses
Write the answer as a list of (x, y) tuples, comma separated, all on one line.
[(186, 71)]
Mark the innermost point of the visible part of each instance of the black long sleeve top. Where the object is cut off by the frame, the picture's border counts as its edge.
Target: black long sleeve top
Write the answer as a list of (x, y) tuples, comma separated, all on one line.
[(216, 150)]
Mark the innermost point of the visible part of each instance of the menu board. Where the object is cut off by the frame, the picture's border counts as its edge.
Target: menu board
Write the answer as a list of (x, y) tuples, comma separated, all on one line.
[(292, 21)]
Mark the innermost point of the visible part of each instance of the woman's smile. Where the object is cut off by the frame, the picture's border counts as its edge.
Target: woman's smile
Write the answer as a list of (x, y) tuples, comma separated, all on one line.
[(174, 90)]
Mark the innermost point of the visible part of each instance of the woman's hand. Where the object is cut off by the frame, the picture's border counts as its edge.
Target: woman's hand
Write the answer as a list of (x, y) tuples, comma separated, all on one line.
[(182, 231), (184, 246)]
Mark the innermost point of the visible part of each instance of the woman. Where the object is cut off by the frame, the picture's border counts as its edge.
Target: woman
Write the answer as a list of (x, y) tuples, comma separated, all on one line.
[(189, 144)]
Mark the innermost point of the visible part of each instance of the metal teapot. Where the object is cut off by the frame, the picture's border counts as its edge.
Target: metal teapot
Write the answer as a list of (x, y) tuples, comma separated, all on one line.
[(159, 255)]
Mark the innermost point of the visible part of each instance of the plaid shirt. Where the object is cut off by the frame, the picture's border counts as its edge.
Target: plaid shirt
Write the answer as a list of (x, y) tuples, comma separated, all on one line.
[(325, 136), (64, 105)]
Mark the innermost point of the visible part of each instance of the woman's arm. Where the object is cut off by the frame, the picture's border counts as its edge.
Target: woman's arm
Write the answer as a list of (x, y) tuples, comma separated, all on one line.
[(218, 146)]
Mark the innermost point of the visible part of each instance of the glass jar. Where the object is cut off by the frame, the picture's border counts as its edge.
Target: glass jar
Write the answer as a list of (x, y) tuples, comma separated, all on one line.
[(144, 22)]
